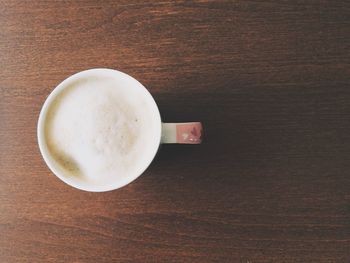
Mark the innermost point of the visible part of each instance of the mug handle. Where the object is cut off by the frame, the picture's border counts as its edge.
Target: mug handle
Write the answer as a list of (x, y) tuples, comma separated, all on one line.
[(185, 133)]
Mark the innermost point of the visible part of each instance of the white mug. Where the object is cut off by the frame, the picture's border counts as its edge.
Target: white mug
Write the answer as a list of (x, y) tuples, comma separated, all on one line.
[(187, 133)]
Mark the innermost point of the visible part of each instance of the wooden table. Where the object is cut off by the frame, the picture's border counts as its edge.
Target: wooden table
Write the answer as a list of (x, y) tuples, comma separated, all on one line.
[(268, 79)]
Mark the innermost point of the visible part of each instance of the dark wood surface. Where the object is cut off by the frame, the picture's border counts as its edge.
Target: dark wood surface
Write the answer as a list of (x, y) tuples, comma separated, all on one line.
[(269, 80)]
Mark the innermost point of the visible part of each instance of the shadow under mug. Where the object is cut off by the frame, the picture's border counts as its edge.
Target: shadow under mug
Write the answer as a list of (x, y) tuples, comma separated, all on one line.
[(184, 133)]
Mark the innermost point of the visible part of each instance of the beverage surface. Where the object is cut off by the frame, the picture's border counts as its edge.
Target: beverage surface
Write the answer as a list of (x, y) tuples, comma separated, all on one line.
[(99, 131)]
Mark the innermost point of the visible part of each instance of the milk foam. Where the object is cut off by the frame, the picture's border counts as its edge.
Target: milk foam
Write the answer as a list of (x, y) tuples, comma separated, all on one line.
[(99, 131)]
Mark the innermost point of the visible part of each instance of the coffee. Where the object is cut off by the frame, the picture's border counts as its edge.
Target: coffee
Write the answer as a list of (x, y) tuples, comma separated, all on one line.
[(99, 131)]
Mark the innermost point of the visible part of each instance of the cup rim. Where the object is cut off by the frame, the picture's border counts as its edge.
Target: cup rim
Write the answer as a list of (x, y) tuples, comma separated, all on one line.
[(42, 140)]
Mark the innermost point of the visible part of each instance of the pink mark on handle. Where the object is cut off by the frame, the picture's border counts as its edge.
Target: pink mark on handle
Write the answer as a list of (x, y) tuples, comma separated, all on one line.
[(190, 133)]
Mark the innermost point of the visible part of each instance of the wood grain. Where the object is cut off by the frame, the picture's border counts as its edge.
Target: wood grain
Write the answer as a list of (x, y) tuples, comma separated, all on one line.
[(269, 80)]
